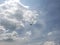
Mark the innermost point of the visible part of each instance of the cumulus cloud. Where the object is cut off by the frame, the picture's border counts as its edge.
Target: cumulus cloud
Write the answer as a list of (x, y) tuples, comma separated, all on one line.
[(13, 17), (16, 26)]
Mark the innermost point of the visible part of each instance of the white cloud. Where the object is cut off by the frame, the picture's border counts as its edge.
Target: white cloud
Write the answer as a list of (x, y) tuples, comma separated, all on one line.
[(50, 33), (49, 43), (2, 30), (14, 12), (13, 16), (13, 38)]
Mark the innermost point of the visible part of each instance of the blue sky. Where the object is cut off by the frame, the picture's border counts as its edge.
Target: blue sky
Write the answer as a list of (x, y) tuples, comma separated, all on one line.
[(29, 22)]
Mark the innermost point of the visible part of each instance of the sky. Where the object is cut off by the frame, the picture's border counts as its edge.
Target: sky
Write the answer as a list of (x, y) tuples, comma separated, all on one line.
[(29, 22)]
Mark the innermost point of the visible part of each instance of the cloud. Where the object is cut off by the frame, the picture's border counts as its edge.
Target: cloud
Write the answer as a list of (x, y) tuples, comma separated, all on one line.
[(49, 43), (50, 33), (13, 17), (2, 30), (21, 26), (52, 38)]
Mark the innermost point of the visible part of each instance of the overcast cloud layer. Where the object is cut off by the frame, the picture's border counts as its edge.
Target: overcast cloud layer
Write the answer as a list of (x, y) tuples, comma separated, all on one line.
[(21, 26)]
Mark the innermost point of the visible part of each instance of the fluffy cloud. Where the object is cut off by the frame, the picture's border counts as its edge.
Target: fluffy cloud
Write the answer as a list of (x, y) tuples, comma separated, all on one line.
[(15, 16), (16, 25)]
